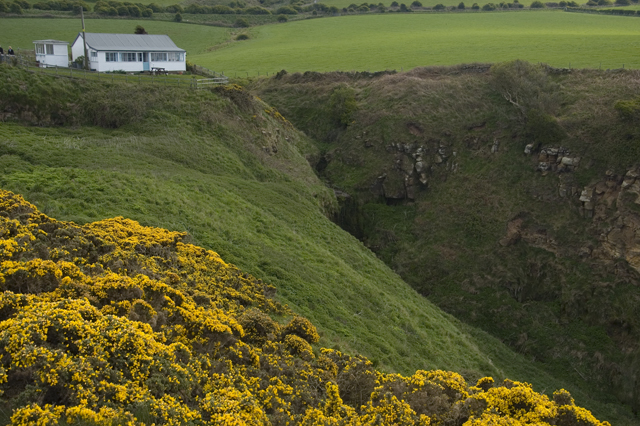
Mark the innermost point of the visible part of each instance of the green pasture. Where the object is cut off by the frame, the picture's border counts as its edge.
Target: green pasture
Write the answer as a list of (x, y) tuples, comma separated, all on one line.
[(404, 41), (20, 32)]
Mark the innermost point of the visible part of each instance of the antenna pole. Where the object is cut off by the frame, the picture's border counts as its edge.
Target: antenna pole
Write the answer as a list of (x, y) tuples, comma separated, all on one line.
[(84, 39)]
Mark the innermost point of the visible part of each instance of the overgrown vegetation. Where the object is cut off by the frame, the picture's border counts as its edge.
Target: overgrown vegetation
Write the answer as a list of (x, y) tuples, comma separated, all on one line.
[(447, 197), (112, 323)]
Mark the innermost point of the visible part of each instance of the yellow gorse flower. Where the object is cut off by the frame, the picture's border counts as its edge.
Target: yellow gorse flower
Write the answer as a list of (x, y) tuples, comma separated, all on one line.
[(114, 323)]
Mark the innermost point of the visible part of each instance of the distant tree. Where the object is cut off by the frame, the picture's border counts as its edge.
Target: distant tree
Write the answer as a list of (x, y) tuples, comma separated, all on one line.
[(461, 6), (3, 7), (174, 8), (334, 10), (394, 4), (156, 8), (537, 4), (15, 8), (177, 17), (140, 30), (286, 10), (404, 8), (416, 3), (475, 6), (623, 2), (489, 6), (439, 6), (282, 18), (241, 23)]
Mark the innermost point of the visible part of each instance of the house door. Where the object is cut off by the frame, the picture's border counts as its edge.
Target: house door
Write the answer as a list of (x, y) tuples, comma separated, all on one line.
[(145, 61)]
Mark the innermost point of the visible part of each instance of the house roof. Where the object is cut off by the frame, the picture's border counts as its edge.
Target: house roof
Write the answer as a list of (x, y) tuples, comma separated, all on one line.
[(130, 42), (50, 41)]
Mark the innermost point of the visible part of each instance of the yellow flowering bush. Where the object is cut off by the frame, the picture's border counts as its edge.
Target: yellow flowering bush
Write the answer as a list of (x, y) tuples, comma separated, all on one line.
[(114, 323)]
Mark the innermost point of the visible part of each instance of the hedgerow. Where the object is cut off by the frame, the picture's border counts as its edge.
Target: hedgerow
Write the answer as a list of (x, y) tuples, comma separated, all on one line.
[(117, 323)]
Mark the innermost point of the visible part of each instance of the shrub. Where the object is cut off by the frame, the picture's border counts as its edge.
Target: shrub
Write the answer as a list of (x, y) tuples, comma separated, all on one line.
[(543, 128), (489, 6), (240, 37), (416, 3), (177, 17), (147, 12), (302, 327), (155, 7), (257, 10), (342, 104), (174, 8), (394, 4), (3, 7), (623, 2), (286, 10), (241, 23), (404, 8), (461, 6), (15, 8), (282, 18), (140, 30), (24, 4), (628, 110), (475, 6), (604, 3), (221, 9), (537, 4), (439, 6), (362, 8)]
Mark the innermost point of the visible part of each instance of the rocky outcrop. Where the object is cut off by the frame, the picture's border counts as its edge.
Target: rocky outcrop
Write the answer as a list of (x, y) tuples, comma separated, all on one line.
[(554, 159), (412, 166)]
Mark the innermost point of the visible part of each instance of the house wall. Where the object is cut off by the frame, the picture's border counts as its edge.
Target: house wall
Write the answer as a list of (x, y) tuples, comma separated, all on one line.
[(60, 57), (102, 65), (77, 49)]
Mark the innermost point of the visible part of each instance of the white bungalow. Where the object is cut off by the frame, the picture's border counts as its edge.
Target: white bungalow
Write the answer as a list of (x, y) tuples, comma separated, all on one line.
[(52, 53), (130, 52)]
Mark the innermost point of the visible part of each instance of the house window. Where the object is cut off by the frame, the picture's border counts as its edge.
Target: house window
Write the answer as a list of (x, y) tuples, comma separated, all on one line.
[(49, 49), (139, 57), (159, 57), (128, 56), (40, 49), (111, 56), (175, 57), (94, 54)]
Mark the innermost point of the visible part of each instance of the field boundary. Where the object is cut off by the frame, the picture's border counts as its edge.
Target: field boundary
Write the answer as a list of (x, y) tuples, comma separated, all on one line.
[(22, 60)]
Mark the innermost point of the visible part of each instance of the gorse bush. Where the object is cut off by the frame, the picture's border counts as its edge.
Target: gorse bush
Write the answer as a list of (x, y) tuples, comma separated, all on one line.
[(102, 322)]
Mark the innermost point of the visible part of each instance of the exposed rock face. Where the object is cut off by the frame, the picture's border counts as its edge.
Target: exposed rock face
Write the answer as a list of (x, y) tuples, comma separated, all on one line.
[(615, 200), (412, 165), (555, 159)]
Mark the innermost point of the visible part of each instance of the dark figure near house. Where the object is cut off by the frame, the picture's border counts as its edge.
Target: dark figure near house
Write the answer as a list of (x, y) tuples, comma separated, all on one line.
[(1, 51), (10, 51)]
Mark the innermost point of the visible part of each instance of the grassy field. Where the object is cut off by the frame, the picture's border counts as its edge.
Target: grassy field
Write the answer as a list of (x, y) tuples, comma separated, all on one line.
[(378, 42), (195, 39), (395, 41)]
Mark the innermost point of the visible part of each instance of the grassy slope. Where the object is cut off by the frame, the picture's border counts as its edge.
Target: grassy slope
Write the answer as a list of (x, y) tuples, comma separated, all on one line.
[(214, 181), (446, 243), (394, 41)]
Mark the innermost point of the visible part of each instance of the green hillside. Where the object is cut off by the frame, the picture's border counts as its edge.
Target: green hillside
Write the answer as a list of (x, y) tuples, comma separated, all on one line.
[(539, 248), (232, 172)]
